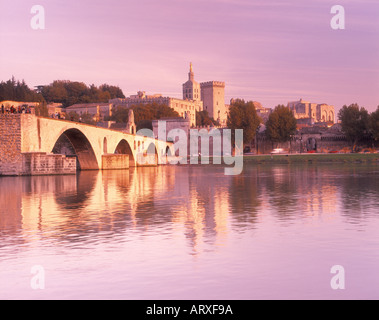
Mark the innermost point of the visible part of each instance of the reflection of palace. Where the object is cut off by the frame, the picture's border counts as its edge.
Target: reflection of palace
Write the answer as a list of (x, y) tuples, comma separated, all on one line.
[(299, 191), (201, 206), (114, 201)]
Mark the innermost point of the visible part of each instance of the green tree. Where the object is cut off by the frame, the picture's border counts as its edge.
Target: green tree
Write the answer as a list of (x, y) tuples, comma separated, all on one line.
[(120, 115), (281, 125), (143, 113), (374, 124), (243, 115), (87, 118), (113, 91), (41, 110), (144, 124), (203, 119), (354, 122), (18, 91), (69, 93), (73, 116)]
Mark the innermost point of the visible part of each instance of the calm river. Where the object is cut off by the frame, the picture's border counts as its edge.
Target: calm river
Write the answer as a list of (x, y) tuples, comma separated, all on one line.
[(274, 232)]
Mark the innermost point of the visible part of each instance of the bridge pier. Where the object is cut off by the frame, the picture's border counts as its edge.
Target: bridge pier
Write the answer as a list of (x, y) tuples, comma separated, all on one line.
[(115, 162)]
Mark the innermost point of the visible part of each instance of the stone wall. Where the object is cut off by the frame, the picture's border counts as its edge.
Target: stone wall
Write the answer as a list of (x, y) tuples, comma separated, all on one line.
[(39, 163), (303, 143), (14, 162), (115, 162), (10, 144)]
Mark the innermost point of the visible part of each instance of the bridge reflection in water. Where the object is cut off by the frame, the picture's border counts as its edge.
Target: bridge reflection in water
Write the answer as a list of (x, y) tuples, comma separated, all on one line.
[(191, 232), (114, 201)]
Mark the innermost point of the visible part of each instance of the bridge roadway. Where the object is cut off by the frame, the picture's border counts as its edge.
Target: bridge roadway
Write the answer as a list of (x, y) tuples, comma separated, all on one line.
[(89, 143)]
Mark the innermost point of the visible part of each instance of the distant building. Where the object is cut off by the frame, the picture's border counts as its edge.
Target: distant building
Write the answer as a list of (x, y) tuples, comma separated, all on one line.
[(129, 127), (317, 112), (97, 110), (54, 108), (39, 88), (262, 112), (191, 89), (208, 96), (213, 97), (180, 106)]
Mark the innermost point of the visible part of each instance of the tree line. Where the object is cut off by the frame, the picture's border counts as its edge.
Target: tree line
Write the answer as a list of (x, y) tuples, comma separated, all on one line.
[(359, 125), (69, 93), (60, 91), (281, 124), (13, 90), (144, 114)]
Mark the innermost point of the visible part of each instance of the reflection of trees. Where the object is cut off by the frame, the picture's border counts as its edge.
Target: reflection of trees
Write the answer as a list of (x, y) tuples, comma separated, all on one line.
[(244, 197), (200, 201), (282, 189), (359, 191)]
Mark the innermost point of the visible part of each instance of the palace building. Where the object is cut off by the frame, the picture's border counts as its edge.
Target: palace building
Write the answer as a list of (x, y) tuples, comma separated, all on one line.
[(312, 111), (213, 97), (197, 97)]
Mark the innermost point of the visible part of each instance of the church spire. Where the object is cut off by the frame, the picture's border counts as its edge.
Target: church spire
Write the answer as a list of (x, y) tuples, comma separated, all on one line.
[(191, 74)]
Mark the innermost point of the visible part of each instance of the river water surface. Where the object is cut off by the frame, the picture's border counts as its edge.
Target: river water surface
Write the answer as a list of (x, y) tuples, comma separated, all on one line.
[(273, 232)]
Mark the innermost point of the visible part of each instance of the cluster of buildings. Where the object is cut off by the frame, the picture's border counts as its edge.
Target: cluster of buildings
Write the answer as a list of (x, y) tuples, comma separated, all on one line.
[(208, 96), (308, 113)]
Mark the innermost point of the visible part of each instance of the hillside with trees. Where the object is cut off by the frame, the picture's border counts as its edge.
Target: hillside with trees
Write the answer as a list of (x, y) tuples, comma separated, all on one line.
[(144, 114), (13, 90), (60, 91), (69, 93)]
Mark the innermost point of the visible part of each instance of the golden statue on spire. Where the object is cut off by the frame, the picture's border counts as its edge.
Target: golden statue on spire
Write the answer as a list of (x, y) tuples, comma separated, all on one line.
[(191, 69)]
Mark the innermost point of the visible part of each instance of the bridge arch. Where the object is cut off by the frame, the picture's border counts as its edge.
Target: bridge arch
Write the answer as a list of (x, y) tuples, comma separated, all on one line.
[(74, 142), (150, 156), (123, 147), (152, 149), (168, 152)]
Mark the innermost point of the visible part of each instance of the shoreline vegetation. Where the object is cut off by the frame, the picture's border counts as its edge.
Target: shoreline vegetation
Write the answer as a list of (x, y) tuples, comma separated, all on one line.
[(313, 158), (309, 158)]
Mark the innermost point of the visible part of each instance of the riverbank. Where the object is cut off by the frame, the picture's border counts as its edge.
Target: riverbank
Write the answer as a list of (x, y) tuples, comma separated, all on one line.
[(316, 158)]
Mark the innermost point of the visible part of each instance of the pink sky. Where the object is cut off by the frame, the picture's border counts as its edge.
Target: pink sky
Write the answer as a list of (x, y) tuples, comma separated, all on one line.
[(268, 51)]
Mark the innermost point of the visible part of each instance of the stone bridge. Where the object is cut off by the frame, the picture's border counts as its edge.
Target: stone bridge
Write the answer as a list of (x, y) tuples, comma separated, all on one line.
[(24, 136)]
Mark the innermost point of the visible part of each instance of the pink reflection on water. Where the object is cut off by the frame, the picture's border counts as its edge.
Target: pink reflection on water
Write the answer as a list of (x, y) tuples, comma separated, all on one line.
[(192, 233)]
